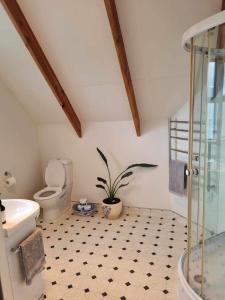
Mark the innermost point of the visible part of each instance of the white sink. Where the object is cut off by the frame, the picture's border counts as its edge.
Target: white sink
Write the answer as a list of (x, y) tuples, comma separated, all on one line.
[(21, 217), (18, 212)]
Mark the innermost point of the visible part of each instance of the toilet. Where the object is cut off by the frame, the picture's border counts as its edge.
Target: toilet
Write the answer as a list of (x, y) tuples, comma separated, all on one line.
[(55, 198)]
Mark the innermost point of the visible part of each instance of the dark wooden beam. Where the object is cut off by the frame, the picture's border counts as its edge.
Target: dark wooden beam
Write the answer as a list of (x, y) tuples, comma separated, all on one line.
[(221, 31), (223, 5), (121, 53), (16, 15)]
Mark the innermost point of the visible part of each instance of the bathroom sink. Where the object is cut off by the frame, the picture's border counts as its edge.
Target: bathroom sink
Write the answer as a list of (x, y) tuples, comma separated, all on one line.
[(18, 213)]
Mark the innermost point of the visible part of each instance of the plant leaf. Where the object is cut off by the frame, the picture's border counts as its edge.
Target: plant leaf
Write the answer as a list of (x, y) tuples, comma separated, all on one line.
[(100, 186), (142, 165), (126, 175), (101, 180), (102, 156), (122, 185)]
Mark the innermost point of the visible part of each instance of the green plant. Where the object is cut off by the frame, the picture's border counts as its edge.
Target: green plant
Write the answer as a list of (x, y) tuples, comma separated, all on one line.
[(112, 187)]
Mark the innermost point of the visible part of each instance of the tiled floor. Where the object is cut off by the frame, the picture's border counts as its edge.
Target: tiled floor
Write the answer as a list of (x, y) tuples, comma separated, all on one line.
[(134, 257)]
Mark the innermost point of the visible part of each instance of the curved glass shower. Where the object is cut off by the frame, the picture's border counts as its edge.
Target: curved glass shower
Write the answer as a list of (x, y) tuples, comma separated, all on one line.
[(205, 260)]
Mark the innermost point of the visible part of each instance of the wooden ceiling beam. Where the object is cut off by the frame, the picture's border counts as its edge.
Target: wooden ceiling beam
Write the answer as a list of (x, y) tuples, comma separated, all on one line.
[(121, 53), (223, 5), (16, 15), (221, 31)]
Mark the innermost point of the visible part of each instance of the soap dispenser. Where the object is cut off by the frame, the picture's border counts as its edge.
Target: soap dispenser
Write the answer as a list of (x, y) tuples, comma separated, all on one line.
[(2, 211)]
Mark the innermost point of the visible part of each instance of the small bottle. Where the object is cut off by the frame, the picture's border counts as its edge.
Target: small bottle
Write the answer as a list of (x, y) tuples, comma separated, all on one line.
[(2, 211)]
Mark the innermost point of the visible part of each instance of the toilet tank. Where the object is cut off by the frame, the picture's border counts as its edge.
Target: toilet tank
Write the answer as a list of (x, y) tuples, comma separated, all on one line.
[(68, 165)]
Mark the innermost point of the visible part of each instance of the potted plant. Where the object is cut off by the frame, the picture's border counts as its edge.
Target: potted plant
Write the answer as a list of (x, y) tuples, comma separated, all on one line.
[(112, 205)]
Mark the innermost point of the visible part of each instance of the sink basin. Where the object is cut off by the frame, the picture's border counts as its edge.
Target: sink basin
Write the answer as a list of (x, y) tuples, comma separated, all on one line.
[(18, 212), (21, 217)]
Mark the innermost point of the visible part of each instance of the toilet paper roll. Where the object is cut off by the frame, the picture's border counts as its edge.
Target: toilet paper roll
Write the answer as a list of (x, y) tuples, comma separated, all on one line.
[(10, 181)]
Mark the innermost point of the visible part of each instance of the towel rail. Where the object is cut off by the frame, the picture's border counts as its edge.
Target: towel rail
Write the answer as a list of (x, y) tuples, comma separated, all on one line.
[(178, 150), (184, 130), (179, 138), (184, 139), (178, 131), (184, 122), (178, 122)]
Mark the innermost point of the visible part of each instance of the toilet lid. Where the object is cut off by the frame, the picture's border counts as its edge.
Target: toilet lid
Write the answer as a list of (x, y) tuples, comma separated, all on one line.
[(55, 174)]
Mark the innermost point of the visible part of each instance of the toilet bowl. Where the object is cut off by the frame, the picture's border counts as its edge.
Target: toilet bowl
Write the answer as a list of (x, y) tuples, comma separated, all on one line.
[(55, 199)]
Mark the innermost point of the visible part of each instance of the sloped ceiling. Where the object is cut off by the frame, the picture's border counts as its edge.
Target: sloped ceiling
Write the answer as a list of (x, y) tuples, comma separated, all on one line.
[(76, 38)]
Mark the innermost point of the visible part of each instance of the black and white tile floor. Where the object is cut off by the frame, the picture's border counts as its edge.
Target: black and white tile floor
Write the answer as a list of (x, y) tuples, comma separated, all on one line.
[(134, 257)]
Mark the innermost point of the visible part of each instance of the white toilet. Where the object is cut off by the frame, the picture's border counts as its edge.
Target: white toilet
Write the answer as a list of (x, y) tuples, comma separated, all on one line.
[(55, 199)]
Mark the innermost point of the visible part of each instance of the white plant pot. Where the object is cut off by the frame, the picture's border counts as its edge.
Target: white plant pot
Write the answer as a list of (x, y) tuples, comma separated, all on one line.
[(112, 210)]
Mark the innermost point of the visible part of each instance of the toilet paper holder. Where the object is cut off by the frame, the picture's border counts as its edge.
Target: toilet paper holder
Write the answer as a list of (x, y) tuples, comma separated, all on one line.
[(9, 179), (7, 174)]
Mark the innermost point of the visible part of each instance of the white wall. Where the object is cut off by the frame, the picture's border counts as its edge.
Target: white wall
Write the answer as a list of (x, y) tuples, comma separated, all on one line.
[(19, 150), (149, 188)]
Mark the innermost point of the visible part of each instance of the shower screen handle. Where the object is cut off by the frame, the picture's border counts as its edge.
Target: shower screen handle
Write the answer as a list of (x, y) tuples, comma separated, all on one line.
[(190, 172), (196, 157)]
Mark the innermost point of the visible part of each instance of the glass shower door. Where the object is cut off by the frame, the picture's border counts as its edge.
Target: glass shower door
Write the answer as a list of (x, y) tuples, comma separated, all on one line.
[(197, 163), (206, 249), (214, 219)]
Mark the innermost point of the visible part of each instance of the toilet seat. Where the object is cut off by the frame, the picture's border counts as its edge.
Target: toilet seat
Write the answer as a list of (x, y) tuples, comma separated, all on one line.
[(48, 193), (55, 198)]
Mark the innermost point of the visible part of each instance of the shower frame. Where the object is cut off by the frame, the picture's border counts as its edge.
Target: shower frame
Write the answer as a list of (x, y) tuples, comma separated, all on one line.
[(188, 44)]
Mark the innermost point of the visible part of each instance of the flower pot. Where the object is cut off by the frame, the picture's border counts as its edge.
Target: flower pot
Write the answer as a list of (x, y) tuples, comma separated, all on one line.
[(112, 210)]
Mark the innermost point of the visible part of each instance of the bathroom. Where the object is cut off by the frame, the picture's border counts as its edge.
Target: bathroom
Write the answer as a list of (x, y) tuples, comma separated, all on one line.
[(63, 94)]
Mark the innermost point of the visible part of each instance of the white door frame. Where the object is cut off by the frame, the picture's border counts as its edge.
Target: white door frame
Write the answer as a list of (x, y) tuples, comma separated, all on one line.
[(4, 268)]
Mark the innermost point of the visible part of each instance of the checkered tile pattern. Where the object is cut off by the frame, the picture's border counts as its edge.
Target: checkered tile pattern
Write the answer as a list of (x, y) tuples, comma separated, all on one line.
[(132, 258)]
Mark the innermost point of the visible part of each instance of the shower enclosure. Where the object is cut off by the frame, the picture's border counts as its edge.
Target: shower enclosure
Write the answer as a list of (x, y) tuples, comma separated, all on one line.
[(202, 268)]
